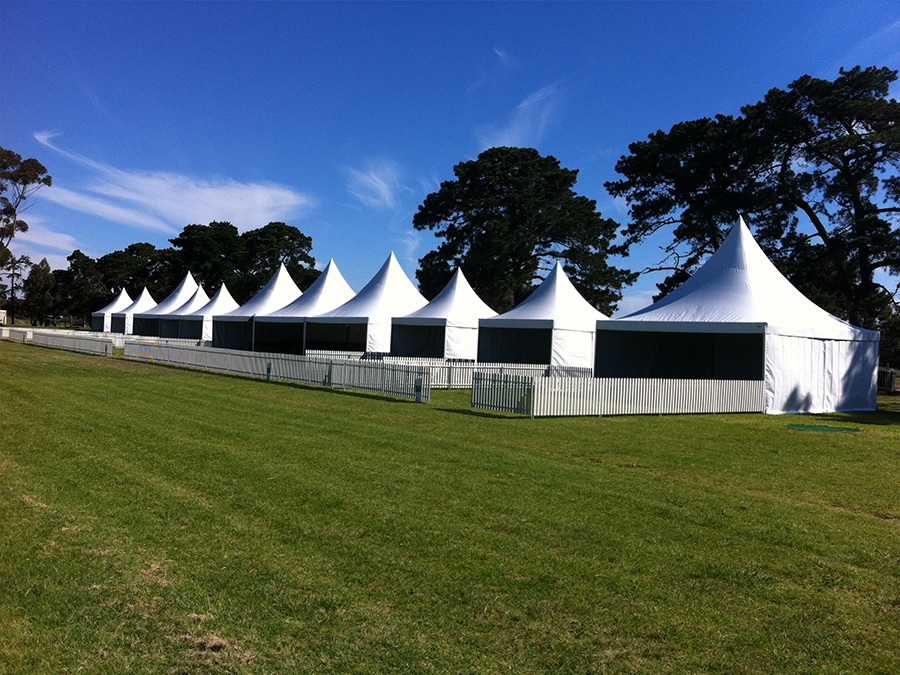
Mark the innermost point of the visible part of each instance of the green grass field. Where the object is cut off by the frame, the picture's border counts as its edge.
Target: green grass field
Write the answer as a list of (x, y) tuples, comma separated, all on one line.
[(166, 521)]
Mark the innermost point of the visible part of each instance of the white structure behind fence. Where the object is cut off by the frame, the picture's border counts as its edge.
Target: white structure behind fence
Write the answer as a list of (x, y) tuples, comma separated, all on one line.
[(567, 396), (16, 334)]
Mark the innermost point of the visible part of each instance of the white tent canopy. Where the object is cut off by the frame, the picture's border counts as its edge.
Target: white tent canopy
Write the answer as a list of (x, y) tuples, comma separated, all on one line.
[(554, 325), (147, 322), (101, 320), (283, 331), (447, 327), (363, 323), (197, 325), (234, 330), (170, 324), (738, 317), (123, 321)]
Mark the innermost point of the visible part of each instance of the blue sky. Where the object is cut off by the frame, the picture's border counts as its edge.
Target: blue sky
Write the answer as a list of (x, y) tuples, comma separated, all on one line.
[(340, 117)]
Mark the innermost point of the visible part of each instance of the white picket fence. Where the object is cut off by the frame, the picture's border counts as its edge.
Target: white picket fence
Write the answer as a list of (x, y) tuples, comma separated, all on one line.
[(567, 396), (333, 354), (513, 388), (458, 374), (339, 373), (503, 393), (75, 343), (90, 342)]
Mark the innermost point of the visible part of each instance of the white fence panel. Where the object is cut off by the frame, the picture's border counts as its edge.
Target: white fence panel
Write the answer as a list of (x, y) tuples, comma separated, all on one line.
[(444, 374), (332, 354), (303, 370), (556, 396), (22, 335), (74, 343), (458, 374), (568, 396), (503, 393), (391, 380), (382, 378), (624, 396)]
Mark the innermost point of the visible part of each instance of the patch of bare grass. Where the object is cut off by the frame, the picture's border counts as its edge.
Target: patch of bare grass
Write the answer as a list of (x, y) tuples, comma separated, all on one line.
[(32, 501)]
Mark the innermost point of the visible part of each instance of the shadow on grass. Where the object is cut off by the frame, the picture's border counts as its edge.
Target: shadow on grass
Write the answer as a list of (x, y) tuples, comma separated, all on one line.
[(878, 417), (336, 391), (482, 413)]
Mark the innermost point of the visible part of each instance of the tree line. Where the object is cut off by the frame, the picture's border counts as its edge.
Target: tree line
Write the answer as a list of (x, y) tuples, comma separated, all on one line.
[(215, 254), (812, 168)]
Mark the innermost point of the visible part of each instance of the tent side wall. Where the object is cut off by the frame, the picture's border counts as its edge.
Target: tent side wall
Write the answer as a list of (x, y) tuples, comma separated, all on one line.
[(572, 348), (169, 327), (192, 328), (336, 336), (378, 336), (233, 334), (100, 323), (461, 342), (810, 375), (679, 355), (278, 337), (514, 345), (148, 326), (121, 324), (418, 340)]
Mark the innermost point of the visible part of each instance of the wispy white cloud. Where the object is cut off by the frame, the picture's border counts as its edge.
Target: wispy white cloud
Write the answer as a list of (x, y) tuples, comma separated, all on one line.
[(503, 55), (57, 261), (408, 247), (96, 206), (495, 69), (882, 47), (38, 235), (376, 185), (527, 123), (41, 242), (166, 202), (620, 206)]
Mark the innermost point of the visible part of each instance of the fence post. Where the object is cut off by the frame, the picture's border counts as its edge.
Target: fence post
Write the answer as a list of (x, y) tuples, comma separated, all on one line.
[(269, 372)]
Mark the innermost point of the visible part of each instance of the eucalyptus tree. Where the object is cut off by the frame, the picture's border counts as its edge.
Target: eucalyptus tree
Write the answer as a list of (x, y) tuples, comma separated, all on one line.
[(19, 180)]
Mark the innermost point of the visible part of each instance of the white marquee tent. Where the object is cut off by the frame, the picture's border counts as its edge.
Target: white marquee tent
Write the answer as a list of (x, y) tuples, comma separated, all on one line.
[(123, 321), (147, 322), (101, 320), (170, 324), (197, 325), (739, 318), (234, 330), (447, 327), (284, 330), (554, 325), (363, 323)]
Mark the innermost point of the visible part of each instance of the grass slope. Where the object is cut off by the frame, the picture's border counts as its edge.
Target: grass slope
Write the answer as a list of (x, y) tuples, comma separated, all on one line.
[(157, 520)]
